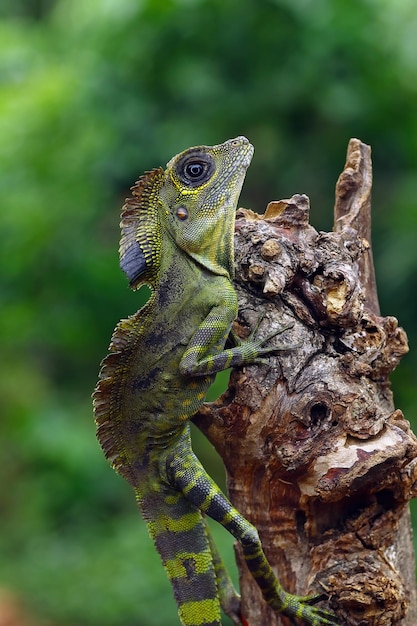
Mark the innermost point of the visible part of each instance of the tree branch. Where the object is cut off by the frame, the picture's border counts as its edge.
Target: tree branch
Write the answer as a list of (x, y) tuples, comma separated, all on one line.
[(317, 458)]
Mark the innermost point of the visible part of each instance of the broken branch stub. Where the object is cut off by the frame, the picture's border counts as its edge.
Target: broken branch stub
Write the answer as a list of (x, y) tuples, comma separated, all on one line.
[(317, 458)]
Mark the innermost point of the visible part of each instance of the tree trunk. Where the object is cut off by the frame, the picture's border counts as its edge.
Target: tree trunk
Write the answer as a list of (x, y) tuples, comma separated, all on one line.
[(316, 456)]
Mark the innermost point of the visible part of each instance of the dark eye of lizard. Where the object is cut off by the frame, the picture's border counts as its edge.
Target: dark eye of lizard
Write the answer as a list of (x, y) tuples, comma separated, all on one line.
[(195, 169)]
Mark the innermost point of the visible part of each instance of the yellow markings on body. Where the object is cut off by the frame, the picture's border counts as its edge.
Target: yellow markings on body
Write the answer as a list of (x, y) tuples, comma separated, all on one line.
[(209, 499), (285, 603), (253, 555), (180, 566), (186, 402), (229, 517), (210, 496), (173, 499), (199, 612), (167, 524), (193, 481), (201, 395)]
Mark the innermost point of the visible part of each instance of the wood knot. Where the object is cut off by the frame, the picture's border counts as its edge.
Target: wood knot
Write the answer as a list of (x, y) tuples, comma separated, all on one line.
[(270, 249)]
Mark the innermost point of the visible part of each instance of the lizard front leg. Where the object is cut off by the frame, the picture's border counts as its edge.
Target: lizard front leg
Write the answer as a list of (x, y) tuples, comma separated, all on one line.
[(206, 354)]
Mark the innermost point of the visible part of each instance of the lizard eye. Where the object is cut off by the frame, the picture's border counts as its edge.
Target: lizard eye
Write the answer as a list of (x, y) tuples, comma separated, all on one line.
[(195, 169)]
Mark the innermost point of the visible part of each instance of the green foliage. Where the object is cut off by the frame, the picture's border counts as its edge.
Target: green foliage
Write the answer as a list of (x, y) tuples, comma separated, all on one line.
[(91, 95)]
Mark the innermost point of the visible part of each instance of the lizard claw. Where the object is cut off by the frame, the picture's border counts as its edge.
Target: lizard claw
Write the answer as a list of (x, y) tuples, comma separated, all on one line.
[(300, 607), (260, 344)]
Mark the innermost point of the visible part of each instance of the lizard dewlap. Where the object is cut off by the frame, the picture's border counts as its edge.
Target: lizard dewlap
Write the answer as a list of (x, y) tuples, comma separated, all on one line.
[(177, 237)]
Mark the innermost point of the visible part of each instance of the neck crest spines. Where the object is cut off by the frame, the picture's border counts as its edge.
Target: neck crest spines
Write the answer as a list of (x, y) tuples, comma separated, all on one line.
[(141, 240)]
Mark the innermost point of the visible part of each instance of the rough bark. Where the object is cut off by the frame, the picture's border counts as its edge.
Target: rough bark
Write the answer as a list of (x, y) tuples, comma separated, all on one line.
[(317, 458)]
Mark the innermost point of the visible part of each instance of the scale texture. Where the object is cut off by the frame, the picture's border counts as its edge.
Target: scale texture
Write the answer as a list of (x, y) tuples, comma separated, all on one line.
[(177, 237)]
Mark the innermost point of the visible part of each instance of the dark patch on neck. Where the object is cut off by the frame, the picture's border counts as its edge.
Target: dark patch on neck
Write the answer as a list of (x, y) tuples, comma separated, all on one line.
[(133, 262)]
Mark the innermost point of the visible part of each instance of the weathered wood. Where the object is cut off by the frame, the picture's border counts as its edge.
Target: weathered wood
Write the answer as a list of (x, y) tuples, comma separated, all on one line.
[(315, 453)]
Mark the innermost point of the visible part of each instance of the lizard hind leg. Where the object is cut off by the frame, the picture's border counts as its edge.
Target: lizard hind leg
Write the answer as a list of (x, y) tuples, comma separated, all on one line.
[(189, 476), (180, 535)]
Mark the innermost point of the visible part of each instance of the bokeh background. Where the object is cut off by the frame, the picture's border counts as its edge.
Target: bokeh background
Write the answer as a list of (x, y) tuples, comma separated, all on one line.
[(92, 93)]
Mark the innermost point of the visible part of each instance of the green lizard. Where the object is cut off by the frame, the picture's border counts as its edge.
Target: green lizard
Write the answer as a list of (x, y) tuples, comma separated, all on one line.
[(177, 237)]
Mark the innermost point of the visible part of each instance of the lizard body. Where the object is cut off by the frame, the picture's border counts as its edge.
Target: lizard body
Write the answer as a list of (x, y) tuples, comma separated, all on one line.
[(177, 236)]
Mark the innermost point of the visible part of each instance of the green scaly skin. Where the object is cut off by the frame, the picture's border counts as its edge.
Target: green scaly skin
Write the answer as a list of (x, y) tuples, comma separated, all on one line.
[(177, 237)]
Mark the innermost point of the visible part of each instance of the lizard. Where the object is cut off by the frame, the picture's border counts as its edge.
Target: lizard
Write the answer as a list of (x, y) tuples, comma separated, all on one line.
[(177, 233)]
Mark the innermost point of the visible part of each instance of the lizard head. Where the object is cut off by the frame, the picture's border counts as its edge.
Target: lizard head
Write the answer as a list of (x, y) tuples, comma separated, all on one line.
[(193, 201), (198, 199)]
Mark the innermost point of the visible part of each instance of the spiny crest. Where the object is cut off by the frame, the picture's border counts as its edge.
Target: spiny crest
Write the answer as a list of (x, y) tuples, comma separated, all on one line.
[(106, 396), (140, 244)]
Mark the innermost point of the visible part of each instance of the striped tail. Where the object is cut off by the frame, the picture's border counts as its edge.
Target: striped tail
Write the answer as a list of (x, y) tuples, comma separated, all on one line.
[(179, 532)]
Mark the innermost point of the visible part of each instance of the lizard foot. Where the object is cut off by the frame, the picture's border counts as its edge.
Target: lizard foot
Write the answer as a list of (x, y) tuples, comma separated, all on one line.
[(300, 607), (258, 345)]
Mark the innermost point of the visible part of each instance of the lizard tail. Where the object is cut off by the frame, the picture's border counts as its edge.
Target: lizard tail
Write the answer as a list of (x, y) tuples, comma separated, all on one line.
[(179, 532)]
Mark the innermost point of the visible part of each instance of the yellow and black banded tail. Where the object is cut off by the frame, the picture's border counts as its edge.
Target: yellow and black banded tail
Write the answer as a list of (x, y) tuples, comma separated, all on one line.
[(179, 532)]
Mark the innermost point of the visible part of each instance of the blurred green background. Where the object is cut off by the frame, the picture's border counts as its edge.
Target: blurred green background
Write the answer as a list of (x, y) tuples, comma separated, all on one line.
[(91, 95)]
